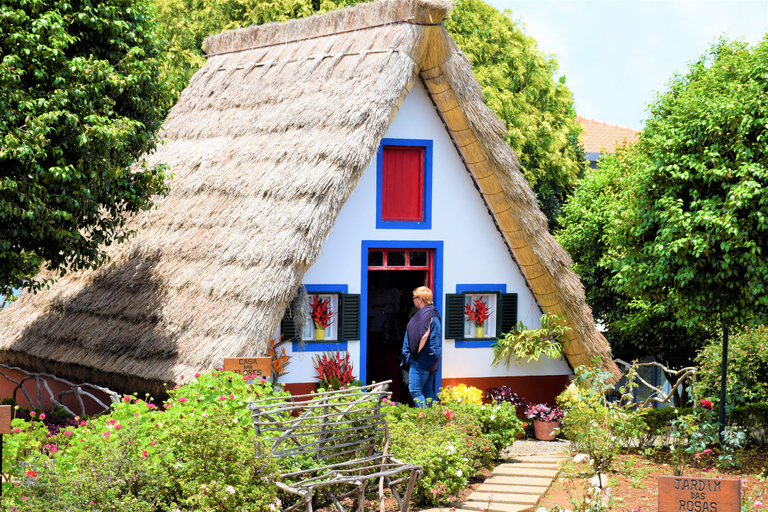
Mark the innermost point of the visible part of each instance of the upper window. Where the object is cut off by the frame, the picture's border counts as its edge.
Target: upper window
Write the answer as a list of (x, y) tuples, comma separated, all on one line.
[(404, 183)]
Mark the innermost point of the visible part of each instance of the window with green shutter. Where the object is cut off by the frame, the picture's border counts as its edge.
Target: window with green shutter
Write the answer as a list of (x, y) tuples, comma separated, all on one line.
[(502, 318), (345, 320)]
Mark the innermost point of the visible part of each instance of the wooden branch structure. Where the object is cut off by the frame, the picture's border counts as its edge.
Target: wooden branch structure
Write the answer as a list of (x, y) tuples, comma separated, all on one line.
[(41, 381), (678, 376), (330, 443)]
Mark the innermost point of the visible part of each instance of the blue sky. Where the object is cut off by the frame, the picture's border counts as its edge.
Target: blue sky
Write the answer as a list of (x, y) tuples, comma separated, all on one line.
[(617, 54)]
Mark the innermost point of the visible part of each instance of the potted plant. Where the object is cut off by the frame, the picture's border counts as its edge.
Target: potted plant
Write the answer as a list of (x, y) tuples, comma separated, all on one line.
[(545, 420), (320, 312), (478, 312)]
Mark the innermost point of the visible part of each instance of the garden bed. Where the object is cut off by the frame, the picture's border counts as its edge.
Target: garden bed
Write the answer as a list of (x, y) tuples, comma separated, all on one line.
[(633, 481)]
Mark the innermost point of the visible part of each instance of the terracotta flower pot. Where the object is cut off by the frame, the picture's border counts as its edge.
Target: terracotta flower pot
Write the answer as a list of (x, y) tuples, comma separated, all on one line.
[(545, 429)]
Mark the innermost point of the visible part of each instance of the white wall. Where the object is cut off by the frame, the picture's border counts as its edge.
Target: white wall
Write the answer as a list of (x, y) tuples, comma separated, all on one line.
[(474, 251)]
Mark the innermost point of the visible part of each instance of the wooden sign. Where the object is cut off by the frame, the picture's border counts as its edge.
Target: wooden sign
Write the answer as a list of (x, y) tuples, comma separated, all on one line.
[(259, 366), (691, 494), (5, 419)]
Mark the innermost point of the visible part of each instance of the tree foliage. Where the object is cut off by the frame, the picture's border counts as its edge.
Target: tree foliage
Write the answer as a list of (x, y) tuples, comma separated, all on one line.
[(669, 235), (517, 79), (590, 221), (695, 237), (81, 100), (519, 85)]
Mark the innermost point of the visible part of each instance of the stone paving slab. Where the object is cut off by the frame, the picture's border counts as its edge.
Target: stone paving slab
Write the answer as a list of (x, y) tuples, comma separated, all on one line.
[(503, 497), (518, 480), (555, 464), (533, 489), (495, 507), (537, 459), (515, 470)]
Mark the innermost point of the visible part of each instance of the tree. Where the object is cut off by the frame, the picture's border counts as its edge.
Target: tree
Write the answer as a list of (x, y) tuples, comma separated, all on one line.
[(589, 223), (81, 100), (517, 79), (519, 85), (694, 237)]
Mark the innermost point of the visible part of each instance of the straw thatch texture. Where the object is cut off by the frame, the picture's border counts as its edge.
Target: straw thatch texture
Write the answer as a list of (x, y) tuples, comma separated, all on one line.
[(266, 145)]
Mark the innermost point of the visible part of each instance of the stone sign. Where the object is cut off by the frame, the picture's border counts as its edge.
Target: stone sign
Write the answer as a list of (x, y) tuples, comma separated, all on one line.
[(259, 366), (691, 494)]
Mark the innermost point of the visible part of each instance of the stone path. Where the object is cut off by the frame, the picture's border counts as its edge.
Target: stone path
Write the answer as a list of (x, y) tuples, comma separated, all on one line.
[(517, 484)]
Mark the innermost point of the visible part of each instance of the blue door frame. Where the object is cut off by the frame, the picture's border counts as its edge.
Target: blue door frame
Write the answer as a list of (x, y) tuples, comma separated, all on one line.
[(437, 291)]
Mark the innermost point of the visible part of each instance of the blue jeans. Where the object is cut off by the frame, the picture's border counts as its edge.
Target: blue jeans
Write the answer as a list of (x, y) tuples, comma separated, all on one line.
[(421, 385)]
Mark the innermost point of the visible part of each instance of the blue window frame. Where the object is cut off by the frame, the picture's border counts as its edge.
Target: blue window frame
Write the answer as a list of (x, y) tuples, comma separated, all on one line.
[(471, 289), (329, 345), (391, 224)]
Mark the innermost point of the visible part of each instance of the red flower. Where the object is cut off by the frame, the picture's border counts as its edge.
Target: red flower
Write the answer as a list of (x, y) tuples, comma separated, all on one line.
[(31, 473), (321, 312), (706, 404), (478, 312)]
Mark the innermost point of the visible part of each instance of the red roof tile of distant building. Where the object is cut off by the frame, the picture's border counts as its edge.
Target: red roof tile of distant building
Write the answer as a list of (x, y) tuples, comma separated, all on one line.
[(599, 136)]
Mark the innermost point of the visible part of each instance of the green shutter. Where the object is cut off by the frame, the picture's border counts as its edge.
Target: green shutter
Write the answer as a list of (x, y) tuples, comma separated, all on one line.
[(349, 316), (454, 316), (506, 316), (288, 327)]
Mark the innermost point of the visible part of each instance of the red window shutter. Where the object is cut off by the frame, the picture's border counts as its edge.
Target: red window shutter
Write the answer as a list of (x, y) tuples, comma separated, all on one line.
[(402, 196)]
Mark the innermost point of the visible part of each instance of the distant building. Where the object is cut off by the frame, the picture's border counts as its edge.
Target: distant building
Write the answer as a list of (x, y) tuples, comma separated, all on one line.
[(600, 137)]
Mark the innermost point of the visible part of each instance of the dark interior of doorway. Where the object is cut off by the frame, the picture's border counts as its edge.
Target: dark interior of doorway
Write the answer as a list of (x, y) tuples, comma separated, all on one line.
[(390, 294)]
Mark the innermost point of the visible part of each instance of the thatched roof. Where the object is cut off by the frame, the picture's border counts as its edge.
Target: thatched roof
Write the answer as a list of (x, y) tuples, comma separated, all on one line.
[(266, 144)]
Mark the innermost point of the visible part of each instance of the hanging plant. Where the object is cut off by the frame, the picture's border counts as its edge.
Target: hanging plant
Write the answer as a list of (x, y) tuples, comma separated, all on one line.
[(320, 312), (478, 312), (531, 344)]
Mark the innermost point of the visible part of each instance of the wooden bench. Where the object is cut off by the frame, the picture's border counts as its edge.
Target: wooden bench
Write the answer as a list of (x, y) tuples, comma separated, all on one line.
[(334, 444)]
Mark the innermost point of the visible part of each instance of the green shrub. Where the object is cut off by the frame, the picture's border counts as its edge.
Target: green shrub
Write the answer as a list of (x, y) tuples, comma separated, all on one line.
[(498, 423), (754, 418), (747, 368), (594, 425), (658, 424), (195, 453), (448, 444)]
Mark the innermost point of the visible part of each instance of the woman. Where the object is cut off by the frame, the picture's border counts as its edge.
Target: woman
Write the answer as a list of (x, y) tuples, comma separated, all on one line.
[(422, 347)]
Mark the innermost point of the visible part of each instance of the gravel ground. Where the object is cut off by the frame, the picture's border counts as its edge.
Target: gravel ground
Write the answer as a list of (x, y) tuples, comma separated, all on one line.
[(532, 447)]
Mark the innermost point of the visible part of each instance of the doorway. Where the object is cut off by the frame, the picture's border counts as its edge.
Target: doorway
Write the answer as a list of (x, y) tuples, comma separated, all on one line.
[(393, 274)]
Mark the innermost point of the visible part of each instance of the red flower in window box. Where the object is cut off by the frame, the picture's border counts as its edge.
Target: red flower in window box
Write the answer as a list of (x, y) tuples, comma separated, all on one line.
[(321, 312), (478, 312)]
